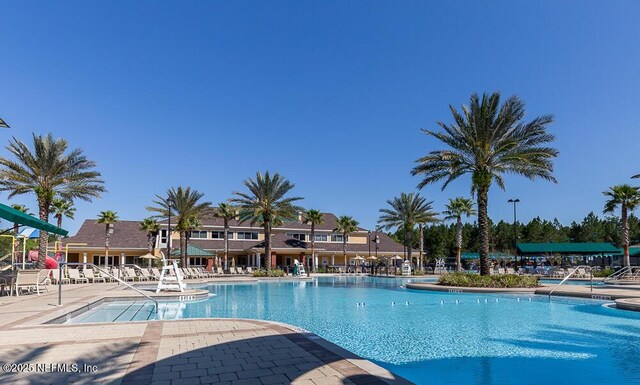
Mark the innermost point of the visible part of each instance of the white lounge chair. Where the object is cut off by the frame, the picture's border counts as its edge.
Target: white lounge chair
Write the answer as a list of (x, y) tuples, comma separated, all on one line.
[(74, 275), (29, 279), (91, 275)]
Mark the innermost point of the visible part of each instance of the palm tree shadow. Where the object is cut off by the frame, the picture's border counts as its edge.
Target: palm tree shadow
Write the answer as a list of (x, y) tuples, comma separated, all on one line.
[(274, 359)]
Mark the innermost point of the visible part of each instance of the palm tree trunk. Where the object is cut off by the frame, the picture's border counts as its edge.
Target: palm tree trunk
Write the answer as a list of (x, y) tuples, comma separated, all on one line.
[(150, 243), (483, 227), (625, 235), (313, 247), (226, 244), (267, 243), (421, 246), (459, 244), (409, 244), (59, 217), (43, 212), (183, 252), (186, 247), (106, 247), (344, 250)]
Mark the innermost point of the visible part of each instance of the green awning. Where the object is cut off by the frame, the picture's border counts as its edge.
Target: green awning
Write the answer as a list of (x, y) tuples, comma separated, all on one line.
[(193, 251), (568, 248), (491, 256), (14, 216)]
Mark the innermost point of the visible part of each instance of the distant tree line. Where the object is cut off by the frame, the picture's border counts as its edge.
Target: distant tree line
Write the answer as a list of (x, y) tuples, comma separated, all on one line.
[(440, 239)]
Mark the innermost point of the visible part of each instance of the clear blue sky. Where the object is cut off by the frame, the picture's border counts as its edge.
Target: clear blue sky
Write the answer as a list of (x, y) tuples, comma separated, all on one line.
[(332, 94)]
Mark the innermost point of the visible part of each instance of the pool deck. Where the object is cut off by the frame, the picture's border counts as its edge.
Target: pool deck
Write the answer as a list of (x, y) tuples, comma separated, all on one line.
[(199, 351)]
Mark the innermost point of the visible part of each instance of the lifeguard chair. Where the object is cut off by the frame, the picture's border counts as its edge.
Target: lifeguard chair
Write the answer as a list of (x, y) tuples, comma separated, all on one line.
[(169, 280), (406, 268)]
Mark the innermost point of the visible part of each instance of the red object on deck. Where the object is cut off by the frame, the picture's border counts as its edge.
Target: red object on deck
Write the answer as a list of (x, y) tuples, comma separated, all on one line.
[(50, 263)]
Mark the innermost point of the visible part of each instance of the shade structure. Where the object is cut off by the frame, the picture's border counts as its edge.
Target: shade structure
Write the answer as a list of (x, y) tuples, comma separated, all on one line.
[(359, 258), (14, 216), (148, 256), (372, 257), (396, 257), (193, 251)]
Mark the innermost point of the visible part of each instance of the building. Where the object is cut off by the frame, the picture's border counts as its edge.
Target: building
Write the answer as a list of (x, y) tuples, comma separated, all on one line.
[(290, 241), (585, 253)]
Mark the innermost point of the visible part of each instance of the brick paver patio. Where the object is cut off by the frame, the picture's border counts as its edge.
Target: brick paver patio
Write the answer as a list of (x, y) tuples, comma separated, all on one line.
[(198, 351)]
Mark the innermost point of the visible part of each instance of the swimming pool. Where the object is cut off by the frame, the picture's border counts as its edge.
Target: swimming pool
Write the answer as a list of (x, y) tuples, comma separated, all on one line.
[(437, 338)]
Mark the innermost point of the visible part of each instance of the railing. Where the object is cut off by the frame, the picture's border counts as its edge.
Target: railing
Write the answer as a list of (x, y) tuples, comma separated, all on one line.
[(63, 265), (627, 273), (572, 273)]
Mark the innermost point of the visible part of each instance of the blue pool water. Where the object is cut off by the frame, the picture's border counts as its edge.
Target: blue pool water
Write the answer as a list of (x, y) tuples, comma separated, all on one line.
[(437, 338)]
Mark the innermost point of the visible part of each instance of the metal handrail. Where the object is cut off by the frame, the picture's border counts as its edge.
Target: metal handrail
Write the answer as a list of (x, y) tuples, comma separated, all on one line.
[(620, 274), (572, 273), (64, 264)]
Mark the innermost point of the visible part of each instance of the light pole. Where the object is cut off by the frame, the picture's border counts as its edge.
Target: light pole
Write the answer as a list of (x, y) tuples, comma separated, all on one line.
[(169, 229), (515, 232)]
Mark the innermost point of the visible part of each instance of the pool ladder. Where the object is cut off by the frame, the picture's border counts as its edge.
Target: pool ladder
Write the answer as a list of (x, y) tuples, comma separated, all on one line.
[(587, 267)]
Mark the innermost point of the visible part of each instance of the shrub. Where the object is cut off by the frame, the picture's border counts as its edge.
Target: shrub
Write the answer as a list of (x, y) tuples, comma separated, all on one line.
[(496, 281), (269, 273), (603, 273), (419, 272)]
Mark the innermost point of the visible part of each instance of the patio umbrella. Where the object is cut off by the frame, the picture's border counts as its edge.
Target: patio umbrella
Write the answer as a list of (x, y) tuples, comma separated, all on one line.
[(150, 257)]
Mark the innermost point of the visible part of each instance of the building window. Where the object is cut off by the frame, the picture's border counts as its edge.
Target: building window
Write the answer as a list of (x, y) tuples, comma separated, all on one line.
[(247, 235), (321, 237), (338, 238), (199, 234), (298, 236), (220, 235), (163, 236)]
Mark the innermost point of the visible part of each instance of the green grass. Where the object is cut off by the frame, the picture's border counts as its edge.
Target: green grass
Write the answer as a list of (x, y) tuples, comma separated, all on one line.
[(494, 281), (269, 273)]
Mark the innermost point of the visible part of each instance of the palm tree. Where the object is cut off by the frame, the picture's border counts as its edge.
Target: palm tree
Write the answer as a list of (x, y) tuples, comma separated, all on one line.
[(313, 218), (108, 218), (457, 208), (3, 124), (187, 205), (628, 198), (406, 211), (265, 203), (488, 140), (345, 225), (62, 208), (151, 227), (47, 171), (192, 224), (226, 212), (22, 209)]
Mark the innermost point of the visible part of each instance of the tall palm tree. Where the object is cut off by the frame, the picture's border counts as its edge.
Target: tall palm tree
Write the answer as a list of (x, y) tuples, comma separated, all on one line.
[(192, 224), (151, 227), (628, 198), (265, 203), (108, 219), (406, 211), (3, 124), (456, 209), (62, 208), (226, 212), (488, 140), (313, 218), (22, 209), (186, 204), (345, 225), (46, 171)]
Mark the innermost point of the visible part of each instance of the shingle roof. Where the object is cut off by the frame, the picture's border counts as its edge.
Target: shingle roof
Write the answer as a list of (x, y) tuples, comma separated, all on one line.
[(193, 251), (577, 248), (126, 235)]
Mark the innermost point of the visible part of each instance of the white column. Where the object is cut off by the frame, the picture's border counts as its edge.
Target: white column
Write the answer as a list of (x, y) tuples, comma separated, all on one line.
[(258, 260), (84, 258), (123, 260)]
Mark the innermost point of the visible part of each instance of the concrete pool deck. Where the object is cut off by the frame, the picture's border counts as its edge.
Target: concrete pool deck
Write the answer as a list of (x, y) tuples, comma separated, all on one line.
[(198, 351)]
